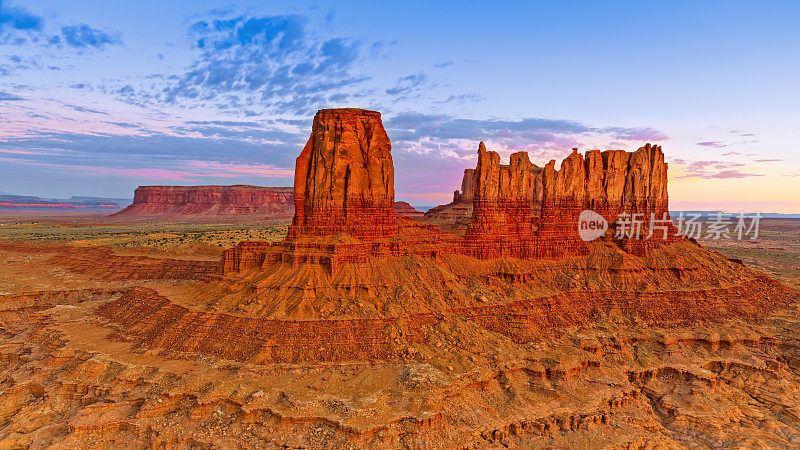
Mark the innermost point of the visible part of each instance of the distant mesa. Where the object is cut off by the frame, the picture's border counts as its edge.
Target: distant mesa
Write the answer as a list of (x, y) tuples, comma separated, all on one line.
[(15, 202), (210, 201), (406, 210)]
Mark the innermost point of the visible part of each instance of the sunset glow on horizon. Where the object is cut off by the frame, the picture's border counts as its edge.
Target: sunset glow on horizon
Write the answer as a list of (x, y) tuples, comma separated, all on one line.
[(97, 98)]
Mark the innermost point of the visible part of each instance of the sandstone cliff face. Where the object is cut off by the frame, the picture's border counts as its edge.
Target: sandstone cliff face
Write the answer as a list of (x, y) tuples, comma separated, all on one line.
[(467, 192), (501, 221), (526, 212), (459, 211), (234, 200), (609, 182), (344, 178)]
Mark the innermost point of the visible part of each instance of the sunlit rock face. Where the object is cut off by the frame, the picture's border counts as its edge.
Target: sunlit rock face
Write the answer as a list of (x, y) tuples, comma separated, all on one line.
[(501, 220), (610, 183), (344, 178), (522, 211)]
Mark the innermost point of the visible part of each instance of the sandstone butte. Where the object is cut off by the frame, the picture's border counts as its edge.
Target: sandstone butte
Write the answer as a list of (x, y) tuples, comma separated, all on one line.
[(209, 201), (344, 178), (349, 256), (363, 328)]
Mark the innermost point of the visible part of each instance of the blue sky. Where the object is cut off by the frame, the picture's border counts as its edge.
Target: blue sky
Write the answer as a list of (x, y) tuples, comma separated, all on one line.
[(99, 97)]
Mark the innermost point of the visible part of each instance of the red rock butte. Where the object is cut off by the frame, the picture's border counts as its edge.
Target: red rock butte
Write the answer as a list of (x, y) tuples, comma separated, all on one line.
[(354, 280), (344, 177), (344, 185)]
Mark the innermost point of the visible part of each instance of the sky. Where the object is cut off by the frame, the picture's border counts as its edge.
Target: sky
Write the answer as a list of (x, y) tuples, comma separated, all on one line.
[(99, 97)]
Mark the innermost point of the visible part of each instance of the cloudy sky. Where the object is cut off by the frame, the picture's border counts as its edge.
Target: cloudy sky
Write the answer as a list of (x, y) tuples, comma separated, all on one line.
[(98, 97)]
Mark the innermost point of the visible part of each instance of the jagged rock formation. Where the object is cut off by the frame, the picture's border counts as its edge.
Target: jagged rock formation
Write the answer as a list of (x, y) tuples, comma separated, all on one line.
[(406, 210), (209, 201), (468, 184), (501, 220), (459, 211), (610, 183), (344, 178)]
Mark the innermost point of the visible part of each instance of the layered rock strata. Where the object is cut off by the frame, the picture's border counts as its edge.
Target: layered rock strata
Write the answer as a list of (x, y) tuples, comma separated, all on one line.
[(628, 189), (236, 200), (459, 211), (501, 221), (534, 213), (406, 210), (344, 202), (344, 177)]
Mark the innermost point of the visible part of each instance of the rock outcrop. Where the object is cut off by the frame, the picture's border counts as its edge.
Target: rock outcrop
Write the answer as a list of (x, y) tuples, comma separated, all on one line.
[(459, 211), (344, 178), (620, 186), (523, 211), (467, 192), (406, 210), (344, 197), (501, 221), (205, 201)]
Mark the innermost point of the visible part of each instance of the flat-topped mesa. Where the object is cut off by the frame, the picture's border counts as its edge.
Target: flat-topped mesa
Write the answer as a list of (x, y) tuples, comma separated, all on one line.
[(236, 200), (344, 178), (501, 220)]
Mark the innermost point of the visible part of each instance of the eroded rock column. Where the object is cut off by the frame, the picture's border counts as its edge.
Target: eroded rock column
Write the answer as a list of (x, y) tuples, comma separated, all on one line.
[(344, 178)]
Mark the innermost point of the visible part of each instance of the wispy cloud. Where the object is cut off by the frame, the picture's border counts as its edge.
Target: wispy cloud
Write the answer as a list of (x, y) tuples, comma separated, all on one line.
[(407, 84), (462, 98), (84, 36), (85, 109), (710, 169), (260, 62), (9, 97), (714, 144)]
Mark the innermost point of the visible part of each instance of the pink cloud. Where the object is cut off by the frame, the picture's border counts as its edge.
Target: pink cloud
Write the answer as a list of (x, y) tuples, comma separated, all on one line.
[(196, 169), (220, 169), (715, 144)]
